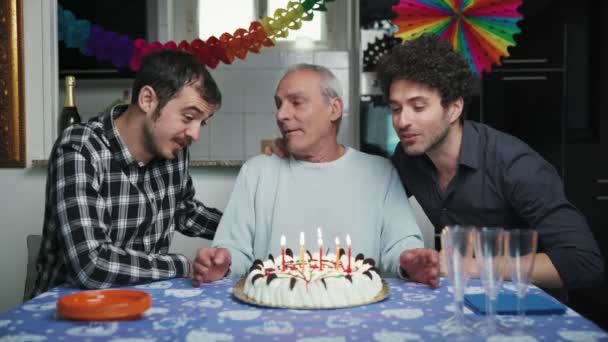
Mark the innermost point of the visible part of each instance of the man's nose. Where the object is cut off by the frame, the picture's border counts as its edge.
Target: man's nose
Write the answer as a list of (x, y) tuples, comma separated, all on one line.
[(401, 119), (282, 113), (193, 132)]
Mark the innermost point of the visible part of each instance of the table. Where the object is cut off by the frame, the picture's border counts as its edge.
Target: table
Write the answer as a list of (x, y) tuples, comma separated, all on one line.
[(180, 312)]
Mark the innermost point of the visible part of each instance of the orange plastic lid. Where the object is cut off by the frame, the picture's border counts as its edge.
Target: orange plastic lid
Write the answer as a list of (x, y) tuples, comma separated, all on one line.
[(104, 305)]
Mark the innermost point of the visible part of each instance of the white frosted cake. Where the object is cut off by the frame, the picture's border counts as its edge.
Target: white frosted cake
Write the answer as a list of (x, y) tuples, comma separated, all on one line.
[(294, 284)]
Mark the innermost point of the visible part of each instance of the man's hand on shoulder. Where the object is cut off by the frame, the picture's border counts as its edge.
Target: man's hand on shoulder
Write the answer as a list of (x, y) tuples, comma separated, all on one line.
[(210, 264), (278, 148), (421, 265)]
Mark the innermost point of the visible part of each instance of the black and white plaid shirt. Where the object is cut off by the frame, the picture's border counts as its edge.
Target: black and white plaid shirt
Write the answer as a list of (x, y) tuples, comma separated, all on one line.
[(109, 219)]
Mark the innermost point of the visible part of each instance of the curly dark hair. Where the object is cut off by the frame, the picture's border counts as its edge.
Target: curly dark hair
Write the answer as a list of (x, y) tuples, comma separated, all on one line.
[(429, 60)]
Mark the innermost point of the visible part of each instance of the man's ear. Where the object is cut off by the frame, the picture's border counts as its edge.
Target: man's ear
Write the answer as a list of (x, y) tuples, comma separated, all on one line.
[(455, 110), (337, 106), (147, 100)]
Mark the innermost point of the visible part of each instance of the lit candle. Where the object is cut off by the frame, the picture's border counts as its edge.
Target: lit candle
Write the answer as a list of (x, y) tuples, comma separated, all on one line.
[(283, 253), (337, 253), (302, 249), (349, 252), (320, 236)]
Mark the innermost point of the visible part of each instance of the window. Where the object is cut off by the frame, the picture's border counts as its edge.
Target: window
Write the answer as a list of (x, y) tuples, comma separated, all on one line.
[(219, 16), (309, 34)]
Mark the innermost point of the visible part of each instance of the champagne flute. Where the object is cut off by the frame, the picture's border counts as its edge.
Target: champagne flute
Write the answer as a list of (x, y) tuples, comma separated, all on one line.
[(521, 253), (489, 253), (457, 252)]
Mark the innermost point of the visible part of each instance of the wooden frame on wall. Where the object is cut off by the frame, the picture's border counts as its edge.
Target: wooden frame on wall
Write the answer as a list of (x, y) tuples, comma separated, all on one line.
[(12, 111)]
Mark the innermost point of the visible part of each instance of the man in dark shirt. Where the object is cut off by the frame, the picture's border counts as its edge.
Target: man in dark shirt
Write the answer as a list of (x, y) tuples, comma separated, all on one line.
[(118, 186), (468, 173)]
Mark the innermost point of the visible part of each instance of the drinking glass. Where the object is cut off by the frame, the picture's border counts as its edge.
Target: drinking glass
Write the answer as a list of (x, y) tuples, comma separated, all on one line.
[(490, 256), (457, 253), (521, 252)]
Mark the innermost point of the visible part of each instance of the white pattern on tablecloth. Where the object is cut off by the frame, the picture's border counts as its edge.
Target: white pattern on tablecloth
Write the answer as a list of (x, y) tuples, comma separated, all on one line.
[(240, 315), (183, 293), (581, 336), (396, 336), (271, 328), (403, 313), (94, 329), (22, 337), (204, 335), (342, 321)]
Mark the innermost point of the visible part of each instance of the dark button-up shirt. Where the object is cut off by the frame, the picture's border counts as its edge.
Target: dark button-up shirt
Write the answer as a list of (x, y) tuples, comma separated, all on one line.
[(502, 182), (109, 219)]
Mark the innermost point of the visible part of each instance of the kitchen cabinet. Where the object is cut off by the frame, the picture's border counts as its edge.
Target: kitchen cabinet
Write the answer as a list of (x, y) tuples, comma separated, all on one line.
[(530, 106), (552, 94)]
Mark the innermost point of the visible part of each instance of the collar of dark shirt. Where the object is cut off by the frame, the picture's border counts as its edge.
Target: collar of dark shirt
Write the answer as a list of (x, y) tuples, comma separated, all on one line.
[(470, 146)]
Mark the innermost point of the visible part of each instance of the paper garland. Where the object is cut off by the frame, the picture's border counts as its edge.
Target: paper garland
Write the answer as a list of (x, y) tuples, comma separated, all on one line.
[(122, 51)]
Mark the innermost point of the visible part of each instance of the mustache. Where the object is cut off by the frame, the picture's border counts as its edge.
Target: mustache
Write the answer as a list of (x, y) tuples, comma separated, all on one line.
[(183, 141)]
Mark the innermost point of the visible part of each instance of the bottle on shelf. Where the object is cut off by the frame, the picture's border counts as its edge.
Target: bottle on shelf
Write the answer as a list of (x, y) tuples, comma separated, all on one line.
[(69, 114)]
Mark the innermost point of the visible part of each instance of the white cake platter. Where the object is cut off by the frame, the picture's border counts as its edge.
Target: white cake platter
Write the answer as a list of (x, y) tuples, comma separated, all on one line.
[(239, 293)]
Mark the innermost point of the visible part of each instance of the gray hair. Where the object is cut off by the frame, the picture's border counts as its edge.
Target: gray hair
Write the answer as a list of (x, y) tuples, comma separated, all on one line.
[(330, 86)]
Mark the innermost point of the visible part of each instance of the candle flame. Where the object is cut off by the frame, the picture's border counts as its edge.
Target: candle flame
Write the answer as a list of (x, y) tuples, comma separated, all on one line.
[(302, 238), (320, 242), (319, 234), (348, 239), (282, 240), (337, 240)]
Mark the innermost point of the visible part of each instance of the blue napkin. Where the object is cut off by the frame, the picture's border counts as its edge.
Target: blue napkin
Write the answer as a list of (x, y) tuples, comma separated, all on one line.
[(506, 304)]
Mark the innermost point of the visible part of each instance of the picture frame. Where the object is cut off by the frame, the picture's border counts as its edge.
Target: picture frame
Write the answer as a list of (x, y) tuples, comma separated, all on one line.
[(12, 109)]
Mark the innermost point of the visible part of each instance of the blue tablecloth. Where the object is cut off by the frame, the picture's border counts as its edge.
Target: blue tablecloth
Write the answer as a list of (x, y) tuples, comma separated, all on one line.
[(180, 312)]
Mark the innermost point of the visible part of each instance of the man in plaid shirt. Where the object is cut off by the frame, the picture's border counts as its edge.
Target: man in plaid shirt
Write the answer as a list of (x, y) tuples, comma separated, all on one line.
[(118, 185)]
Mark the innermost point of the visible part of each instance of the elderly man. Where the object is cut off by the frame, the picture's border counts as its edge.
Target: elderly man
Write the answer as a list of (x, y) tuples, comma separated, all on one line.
[(322, 183)]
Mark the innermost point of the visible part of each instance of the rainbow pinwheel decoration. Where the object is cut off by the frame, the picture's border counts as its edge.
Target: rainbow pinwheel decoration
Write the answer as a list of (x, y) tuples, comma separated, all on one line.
[(481, 30)]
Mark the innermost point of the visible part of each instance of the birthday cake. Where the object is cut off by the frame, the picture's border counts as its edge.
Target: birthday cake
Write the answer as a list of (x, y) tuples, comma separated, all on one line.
[(305, 283)]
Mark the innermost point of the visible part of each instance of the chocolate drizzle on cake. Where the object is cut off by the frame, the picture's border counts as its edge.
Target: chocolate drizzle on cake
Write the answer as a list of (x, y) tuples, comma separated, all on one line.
[(359, 256), (342, 252), (324, 283), (289, 252), (271, 258), (374, 269), (256, 277), (349, 277), (368, 273), (369, 261), (257, 264), (271, 277), (292, 283), (309, 255), (254, 267)]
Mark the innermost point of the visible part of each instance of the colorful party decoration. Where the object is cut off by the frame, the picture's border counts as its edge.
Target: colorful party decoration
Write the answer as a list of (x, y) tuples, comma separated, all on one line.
[(481, 30), (121, 51), (377, 49)]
